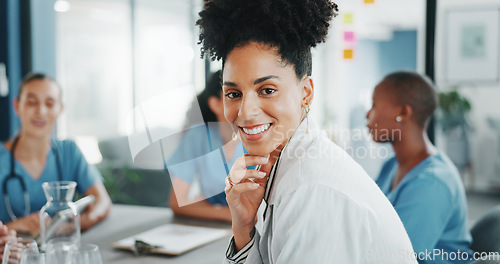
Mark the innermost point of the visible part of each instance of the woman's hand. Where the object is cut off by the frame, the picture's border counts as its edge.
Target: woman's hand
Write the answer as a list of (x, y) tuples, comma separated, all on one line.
[(99, 209), (245, 189), (29, 224), (244, 193)]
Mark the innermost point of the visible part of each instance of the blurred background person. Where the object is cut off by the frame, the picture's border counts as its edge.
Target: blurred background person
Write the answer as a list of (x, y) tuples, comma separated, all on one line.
[(33, 157), (421, 182), (203, 145)]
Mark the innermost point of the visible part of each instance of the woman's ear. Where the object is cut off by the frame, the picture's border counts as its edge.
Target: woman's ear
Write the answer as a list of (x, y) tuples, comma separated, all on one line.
[(307, 90), (15, 103), (61, 108), (406, 112)]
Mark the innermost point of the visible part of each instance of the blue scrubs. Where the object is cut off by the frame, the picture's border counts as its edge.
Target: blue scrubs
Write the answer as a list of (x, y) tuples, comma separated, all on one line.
[(431, 202), (200, 155), (74, 168)]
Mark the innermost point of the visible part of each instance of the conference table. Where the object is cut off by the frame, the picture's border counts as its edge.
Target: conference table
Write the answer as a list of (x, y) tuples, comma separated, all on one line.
[(128, 220)]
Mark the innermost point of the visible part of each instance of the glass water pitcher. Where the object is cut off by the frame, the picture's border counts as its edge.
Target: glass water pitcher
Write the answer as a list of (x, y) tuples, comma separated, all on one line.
[(59, 218)]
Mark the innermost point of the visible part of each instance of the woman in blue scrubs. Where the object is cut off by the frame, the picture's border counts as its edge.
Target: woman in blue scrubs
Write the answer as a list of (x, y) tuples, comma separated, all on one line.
[(421, 182), (33, 157), (205, 154)]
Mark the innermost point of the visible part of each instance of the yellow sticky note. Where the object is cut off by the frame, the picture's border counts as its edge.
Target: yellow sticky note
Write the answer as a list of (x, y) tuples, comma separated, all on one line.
[(348, 54), (369, 1), (348, 18)]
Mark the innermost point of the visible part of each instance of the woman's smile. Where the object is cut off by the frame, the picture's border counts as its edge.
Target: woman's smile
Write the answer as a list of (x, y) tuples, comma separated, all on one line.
[(39, 123), (255, 132)]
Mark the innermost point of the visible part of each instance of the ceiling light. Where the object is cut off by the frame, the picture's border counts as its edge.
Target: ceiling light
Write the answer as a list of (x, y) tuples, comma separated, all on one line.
[(61, 6)]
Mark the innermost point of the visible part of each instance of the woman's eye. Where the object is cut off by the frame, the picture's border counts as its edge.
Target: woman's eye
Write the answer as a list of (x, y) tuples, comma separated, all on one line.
[(267, 91), (232, 95), (31, 103)]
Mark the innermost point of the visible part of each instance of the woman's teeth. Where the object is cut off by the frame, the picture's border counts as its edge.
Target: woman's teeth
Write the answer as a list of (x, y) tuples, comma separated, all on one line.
[(256, 130), (39, 123)]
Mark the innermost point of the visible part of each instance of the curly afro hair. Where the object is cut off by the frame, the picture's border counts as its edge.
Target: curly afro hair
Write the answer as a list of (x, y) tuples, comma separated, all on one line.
[(292, 26)]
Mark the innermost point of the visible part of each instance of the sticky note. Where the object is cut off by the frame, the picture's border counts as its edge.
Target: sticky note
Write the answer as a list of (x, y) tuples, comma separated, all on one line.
[(369, 1), (348, 54), (348, 18), (349, 36)]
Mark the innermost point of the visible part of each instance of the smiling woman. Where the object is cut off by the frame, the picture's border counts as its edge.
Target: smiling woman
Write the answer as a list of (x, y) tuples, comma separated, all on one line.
[(307, 201), (264, 100), (33, 157)]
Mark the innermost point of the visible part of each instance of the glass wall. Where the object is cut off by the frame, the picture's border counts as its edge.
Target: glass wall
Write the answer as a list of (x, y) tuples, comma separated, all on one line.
[(94, 67), (113, 55)]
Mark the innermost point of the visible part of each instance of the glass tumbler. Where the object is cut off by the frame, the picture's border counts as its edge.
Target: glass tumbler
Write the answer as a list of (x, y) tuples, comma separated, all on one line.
[(15, 248), (86, 254), (32, 257)]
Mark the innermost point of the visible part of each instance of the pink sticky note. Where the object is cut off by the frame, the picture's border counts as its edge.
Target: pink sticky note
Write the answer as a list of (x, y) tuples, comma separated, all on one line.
[(349, 36)]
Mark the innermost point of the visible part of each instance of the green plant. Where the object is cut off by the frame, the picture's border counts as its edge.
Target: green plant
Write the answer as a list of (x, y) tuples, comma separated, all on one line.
[(453, 108), (115, 178)]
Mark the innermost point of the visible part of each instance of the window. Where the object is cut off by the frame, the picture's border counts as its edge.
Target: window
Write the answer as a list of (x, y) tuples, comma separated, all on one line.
[(113, 55)]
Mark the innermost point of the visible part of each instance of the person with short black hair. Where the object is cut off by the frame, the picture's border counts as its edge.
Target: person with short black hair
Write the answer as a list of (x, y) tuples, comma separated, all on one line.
[(421, 182), (307, 201), (210, 151)]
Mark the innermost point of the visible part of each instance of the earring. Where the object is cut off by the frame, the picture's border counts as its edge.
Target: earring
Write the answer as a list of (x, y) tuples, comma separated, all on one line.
[(307, 109), (235, 136), (399, 119)]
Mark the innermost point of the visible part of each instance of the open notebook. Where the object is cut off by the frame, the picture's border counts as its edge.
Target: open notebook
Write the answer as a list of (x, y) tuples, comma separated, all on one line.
[(174, 239)]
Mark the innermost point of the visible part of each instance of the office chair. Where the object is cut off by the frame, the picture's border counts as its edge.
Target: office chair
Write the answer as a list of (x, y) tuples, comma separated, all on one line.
[(486, 235)]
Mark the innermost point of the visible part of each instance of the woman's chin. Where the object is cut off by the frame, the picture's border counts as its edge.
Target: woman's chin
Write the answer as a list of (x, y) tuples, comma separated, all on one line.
[(261, 149), (258, 151)]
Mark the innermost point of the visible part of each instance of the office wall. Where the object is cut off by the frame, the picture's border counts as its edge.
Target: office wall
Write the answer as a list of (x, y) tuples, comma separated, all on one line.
[(11, 57), (4, 100), (43, 36), (485, 145), (349, 86)]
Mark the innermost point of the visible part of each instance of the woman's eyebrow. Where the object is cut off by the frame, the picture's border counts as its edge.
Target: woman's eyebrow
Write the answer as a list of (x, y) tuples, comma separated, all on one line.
[(260, 80), (31, 95), (229, 84), (265, 79)]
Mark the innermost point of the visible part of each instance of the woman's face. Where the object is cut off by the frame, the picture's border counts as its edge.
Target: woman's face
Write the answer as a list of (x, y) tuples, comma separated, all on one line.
[(263, 98), (38, 107), (382, 116)]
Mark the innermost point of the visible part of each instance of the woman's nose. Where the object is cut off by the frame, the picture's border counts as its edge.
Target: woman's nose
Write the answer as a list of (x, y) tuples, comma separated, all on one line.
[(42, 109), (249, 107)]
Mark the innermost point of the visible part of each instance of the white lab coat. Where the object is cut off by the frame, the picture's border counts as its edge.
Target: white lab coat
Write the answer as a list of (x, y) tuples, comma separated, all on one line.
[(324, 208)]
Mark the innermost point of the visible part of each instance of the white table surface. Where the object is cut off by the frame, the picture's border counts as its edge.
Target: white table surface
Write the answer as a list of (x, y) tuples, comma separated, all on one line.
[(127, 220)]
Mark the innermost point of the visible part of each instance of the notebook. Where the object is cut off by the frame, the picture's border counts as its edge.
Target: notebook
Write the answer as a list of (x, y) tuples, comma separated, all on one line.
[(174, 239)]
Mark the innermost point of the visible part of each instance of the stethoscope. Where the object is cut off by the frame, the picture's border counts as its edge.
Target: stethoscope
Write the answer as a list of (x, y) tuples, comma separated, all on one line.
[(13, 175)]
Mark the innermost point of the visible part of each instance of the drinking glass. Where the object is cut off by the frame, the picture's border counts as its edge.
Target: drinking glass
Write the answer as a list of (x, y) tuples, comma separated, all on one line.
[(86, 254), (59, 251), (14, 249), (31, 257)]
